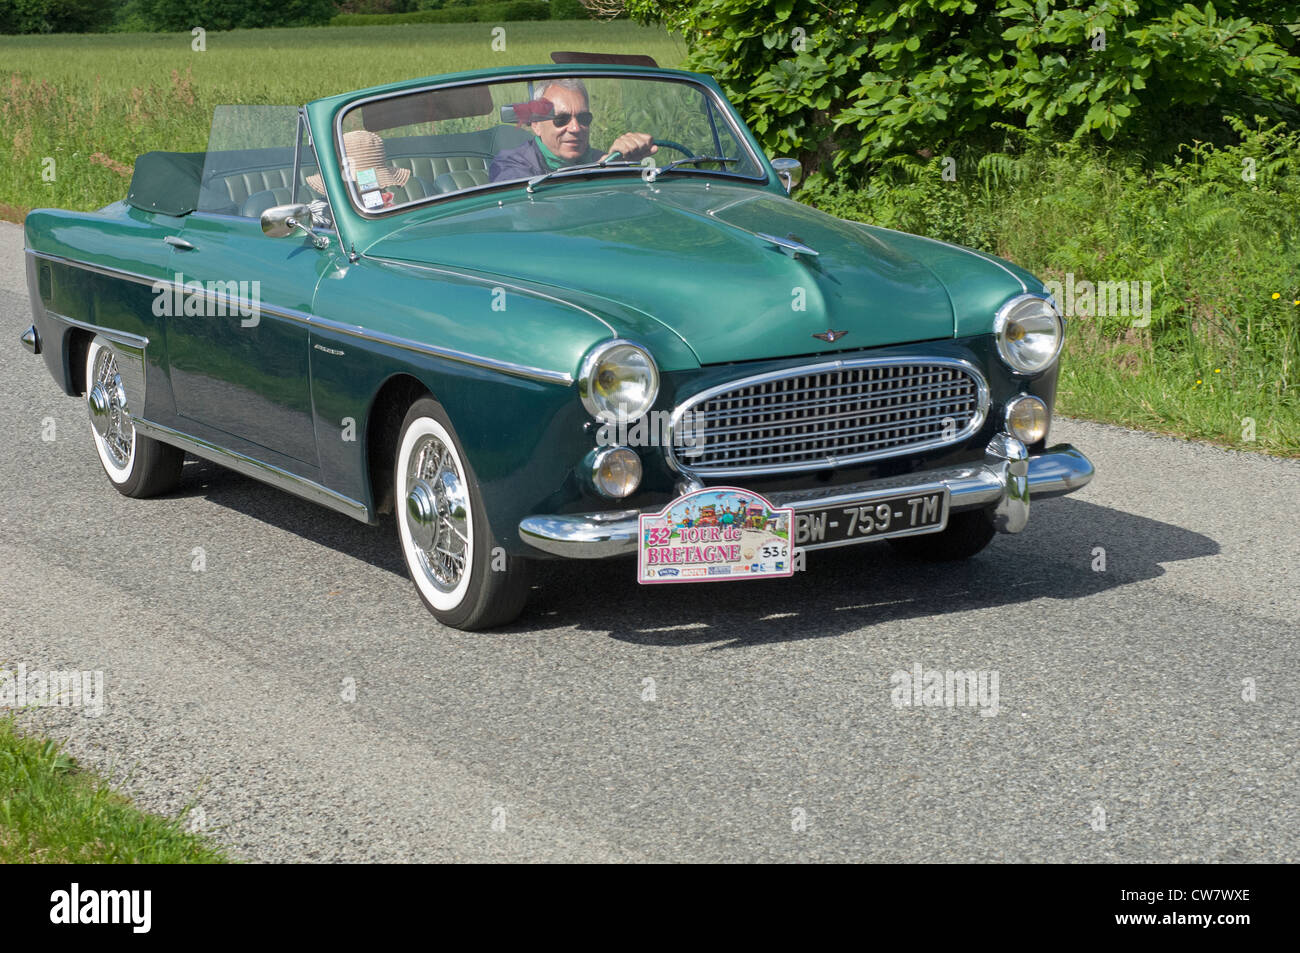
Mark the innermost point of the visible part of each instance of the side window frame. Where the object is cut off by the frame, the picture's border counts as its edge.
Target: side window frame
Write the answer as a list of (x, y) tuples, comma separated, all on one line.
[(295, 196)]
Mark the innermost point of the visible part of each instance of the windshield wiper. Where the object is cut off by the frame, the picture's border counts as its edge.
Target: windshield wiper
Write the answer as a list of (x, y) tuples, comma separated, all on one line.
[(685, 160), (605, 163)]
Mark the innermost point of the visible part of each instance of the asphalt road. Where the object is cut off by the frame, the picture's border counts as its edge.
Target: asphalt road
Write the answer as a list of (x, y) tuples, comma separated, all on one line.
[(772, 734)]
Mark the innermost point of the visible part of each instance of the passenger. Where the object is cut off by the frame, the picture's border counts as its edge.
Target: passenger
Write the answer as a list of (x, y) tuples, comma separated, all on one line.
[(560, 119)]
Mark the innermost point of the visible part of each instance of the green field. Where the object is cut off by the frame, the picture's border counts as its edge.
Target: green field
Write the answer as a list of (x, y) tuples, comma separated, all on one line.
[(93, 103)]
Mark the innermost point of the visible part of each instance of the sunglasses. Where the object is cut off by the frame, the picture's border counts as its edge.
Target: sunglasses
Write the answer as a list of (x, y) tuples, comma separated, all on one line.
[(563, 119)]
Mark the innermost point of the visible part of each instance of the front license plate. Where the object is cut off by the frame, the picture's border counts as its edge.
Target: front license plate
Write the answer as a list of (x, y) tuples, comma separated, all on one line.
[(859, 521), (715, 535)]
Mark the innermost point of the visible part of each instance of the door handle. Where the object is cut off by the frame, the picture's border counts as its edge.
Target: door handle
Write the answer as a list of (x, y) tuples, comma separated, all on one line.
[(177, 242)]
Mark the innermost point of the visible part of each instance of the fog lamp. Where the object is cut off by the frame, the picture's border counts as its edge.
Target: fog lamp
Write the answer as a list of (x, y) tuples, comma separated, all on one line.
[(616, 472), (1027, 419)]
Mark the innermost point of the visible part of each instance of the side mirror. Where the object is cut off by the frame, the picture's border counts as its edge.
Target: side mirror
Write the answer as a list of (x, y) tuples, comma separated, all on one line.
[(790, 171), (281, 220)]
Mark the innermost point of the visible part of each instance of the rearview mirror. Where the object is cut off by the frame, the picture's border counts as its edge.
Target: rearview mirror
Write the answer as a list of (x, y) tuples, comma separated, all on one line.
[(790, 171), (281, 220)]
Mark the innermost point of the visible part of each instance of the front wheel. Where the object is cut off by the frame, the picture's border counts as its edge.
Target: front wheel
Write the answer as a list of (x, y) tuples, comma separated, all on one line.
[(967, 533), (137, 466), (464, 579)]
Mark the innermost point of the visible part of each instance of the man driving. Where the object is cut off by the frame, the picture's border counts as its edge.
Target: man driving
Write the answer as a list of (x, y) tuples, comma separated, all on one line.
[(560, 119)]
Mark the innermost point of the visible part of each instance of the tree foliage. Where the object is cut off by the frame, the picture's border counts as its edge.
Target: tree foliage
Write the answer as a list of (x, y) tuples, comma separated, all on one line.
[(54, 16), (839, 84), (178, 15)]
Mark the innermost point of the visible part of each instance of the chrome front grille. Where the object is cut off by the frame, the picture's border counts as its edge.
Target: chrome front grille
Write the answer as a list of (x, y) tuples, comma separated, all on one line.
[(828, 415)]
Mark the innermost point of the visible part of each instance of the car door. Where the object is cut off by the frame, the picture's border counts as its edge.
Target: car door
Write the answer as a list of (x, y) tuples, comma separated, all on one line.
[(237, 337)]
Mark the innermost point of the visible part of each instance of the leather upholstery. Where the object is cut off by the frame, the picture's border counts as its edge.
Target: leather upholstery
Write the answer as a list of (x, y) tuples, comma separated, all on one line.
[(430, 168), (259, 202), (241, 185), (454, 181), (415, 188)]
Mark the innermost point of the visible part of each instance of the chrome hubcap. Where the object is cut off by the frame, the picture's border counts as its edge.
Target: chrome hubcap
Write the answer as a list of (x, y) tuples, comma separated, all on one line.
[(437, 512), (106, 403), (421, 514)]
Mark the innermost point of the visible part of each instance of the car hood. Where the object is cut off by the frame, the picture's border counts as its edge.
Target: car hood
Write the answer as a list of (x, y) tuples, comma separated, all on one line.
[(695, 260)]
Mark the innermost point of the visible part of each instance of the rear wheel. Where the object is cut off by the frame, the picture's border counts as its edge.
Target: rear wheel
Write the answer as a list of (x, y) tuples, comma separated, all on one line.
[(451, 555), (137, 466), (967, 533)]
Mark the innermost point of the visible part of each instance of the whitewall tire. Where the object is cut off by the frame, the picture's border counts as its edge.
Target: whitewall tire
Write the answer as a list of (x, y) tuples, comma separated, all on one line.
[(451, 555), (138, 466)]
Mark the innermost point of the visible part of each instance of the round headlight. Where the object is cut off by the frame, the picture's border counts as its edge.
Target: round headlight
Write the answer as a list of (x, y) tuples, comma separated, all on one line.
[(1029, 333), (616, 472), (1027, 419), (618, 381)]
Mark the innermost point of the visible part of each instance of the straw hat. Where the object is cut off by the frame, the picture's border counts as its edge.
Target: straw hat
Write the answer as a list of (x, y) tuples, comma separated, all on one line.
[(365, 151)]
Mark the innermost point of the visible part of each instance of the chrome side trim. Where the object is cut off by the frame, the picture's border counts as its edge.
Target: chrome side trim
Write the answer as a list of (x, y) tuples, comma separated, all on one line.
[(406, 344), (31, 339), (97, 269), (492, 282), (264, 472), (976, 422), (353, 330), (1059, 470)]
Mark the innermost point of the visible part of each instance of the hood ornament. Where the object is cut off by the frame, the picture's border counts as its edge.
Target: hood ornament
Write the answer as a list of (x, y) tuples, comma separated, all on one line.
[(830, 336)]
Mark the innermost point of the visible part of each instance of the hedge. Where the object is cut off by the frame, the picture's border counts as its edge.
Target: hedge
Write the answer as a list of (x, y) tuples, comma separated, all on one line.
[(481, 13)]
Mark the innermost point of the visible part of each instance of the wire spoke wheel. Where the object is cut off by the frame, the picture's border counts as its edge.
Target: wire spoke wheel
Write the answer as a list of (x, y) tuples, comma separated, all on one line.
[(437, 512), (463, 577), (138, 466), (109, 419)]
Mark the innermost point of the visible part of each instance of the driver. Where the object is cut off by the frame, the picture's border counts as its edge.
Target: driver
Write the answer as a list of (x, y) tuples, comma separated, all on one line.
[(561, 123)]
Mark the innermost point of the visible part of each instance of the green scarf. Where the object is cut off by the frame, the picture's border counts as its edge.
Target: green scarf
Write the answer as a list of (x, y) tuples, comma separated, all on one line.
[(550, 158), (554, 162)]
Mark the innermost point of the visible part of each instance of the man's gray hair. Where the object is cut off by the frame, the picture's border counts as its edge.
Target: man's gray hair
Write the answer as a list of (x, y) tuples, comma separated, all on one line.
[(539, 92)]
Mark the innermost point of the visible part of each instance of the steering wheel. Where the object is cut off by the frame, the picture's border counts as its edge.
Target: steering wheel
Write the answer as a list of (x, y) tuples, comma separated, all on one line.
[(675, 145)]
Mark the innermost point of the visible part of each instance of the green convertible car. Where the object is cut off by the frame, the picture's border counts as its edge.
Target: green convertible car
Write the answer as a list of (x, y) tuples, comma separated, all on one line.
[(523, 308)]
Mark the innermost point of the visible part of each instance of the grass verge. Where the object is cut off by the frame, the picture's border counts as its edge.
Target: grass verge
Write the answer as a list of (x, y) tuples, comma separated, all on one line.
[(53, 811)]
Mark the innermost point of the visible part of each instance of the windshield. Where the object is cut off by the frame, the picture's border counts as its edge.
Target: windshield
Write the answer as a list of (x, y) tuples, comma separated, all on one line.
[(415, 147)]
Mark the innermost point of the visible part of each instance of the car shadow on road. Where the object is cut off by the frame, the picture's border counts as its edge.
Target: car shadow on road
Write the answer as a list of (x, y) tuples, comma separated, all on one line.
[(1071, 549), (376, 545)]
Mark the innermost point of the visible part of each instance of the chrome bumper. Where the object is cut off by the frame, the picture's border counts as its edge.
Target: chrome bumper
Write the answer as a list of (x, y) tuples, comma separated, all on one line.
[(1006, 480)]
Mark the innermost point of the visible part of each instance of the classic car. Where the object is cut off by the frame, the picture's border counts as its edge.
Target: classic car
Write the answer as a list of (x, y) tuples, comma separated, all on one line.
[(517, 308)]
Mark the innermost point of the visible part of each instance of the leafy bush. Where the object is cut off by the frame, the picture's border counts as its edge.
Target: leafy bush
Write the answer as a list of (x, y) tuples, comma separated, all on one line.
[(54, 16), (379, 6), (179, 15), (569, 10), (842, 83), (477, 13)]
